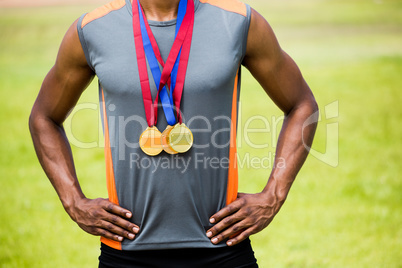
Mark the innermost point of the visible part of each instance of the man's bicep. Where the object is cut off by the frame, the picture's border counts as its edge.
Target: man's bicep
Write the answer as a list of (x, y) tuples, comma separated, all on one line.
[(66, 81), (276, 72)]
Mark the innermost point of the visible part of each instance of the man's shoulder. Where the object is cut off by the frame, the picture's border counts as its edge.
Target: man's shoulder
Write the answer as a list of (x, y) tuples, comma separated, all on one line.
[(101, 12), (234, 6)]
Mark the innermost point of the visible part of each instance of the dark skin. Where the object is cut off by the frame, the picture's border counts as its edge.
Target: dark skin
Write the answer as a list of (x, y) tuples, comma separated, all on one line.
[(250, 213)]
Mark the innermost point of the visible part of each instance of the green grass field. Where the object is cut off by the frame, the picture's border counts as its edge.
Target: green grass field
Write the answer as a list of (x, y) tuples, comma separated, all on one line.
[(344, 209)]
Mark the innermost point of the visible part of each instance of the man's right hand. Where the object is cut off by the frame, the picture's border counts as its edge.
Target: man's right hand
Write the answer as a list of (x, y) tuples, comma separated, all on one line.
[(102, 217)]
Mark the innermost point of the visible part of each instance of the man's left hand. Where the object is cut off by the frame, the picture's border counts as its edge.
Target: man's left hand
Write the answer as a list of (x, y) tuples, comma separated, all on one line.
[(247, 215)]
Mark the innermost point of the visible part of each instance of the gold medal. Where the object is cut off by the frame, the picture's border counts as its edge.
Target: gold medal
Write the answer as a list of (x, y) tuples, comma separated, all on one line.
[(180, 138), (150, 141), (164, 138)]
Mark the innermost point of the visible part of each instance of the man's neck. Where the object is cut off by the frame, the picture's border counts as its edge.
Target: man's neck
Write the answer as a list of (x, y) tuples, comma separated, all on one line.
[(159, 10)]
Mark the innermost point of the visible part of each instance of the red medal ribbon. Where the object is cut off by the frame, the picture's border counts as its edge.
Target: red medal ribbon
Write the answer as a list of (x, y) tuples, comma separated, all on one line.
[(181, 73)]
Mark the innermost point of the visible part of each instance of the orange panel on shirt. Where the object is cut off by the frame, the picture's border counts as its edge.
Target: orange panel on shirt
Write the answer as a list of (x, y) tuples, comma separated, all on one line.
[(102, 11), (110, 180), (231, 192), (229, 5)]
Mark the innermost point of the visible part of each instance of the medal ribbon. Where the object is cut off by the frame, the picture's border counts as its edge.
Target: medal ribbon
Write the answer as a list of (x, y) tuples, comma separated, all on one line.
[(142, 45), (152, 51), (182, 68)]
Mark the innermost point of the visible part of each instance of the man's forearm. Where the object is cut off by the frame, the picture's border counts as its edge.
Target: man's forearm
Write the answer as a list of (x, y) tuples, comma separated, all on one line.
[(95, 216), (54, 154), (292, 150)]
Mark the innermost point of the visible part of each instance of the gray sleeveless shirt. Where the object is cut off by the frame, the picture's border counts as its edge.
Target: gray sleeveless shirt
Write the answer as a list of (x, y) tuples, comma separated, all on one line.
[(171, 196)]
